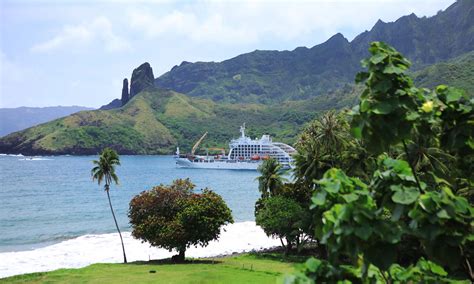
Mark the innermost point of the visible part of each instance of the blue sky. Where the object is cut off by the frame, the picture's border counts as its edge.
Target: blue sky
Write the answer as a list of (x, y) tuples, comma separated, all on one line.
[(78, 52)]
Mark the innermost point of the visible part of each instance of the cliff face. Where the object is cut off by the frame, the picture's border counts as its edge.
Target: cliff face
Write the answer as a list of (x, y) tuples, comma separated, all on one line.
[(142, 78), (276, 76), (270, 77), (125, 94)]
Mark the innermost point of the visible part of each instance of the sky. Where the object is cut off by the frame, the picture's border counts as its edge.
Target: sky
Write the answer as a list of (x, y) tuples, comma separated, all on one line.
[(78, 52)]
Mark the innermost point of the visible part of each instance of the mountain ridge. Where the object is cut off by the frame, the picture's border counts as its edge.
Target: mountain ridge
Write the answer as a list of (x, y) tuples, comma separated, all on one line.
[(266, 89), (275, 76)]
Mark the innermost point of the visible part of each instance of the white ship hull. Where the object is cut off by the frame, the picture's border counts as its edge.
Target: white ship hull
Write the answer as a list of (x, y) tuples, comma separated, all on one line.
[(244, 154), (216, 164)]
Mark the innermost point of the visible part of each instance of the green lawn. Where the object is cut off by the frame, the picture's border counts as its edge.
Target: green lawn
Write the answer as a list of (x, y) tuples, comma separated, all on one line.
[(248, 268)]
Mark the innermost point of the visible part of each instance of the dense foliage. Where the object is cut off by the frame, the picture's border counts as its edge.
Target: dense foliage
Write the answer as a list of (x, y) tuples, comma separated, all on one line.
[(281, 208), (284, 218), (174, 217), (400, 211), (457, 72)]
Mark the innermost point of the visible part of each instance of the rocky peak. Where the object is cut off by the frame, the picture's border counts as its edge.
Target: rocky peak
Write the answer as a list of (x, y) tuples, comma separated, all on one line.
[(142, 78), (125, 94)]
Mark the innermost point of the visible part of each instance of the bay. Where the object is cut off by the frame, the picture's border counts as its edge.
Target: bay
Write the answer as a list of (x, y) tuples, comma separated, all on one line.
[(46, 200)]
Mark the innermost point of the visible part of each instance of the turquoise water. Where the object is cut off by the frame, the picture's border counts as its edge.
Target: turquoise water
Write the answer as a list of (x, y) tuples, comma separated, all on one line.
[(50, 199)]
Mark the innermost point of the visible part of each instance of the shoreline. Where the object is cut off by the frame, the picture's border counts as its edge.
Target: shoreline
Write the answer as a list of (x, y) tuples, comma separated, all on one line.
[(241, 237)]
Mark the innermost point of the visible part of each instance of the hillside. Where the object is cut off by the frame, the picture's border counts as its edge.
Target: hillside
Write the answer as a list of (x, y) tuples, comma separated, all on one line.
[(15, 119), (457, 72), (275, 76), (274, 92), (155, 121)]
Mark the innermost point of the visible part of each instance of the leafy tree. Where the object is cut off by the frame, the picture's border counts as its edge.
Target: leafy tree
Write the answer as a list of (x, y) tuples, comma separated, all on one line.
[(284, 218), (282, 210), (423, 144), (104, 170), (175, 217)]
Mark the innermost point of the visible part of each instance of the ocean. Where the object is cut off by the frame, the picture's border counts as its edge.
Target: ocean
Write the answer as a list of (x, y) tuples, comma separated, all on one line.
[(52, 215)]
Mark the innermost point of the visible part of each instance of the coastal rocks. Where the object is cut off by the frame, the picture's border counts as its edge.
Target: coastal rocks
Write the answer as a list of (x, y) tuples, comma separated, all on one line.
[(142, 78), (125, 94)]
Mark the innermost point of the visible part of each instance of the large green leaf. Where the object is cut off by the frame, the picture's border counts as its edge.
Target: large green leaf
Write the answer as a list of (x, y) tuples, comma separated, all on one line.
[(319, 198), (382, 107), (404, 195)]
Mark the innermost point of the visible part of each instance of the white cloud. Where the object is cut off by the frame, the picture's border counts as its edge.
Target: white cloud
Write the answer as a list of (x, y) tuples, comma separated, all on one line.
[(188, 24), (237, 22), (98, 31)]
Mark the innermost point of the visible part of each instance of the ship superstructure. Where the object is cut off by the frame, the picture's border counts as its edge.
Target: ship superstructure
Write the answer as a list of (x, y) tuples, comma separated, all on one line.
[(245, 153)]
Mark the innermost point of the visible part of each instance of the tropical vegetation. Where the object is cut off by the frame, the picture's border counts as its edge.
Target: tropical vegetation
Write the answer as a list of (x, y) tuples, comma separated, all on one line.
[(393, 202), (104, 171)]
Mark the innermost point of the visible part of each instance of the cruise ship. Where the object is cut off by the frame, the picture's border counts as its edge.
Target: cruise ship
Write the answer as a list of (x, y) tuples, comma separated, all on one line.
[(244, 154)]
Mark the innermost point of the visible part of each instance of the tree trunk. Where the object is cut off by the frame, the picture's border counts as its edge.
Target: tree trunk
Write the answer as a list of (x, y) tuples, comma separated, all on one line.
[(288, 246), (116, 225), (181, 255)]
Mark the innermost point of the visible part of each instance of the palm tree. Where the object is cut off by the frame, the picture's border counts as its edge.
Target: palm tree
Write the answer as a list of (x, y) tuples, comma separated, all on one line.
[(104, 170), (331, 133), (271, 179), (425, 156), (310, 163)]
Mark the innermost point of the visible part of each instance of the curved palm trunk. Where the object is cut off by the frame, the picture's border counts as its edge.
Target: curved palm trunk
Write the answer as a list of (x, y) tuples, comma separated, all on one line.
[(116, 225)]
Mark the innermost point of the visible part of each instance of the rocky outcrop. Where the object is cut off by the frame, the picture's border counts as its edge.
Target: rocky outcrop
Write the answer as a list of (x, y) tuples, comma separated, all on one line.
[(125, 94), (142, 78)]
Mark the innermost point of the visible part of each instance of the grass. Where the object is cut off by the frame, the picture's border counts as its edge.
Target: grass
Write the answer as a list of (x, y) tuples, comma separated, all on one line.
[(247, 268)]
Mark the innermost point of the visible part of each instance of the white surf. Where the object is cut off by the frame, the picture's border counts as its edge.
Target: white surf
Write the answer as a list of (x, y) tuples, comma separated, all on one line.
[(106, 248)]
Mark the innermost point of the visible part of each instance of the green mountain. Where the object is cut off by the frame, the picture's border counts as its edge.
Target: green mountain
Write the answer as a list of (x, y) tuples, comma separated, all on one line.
[(274, 92), (276, 76), (155, 121)]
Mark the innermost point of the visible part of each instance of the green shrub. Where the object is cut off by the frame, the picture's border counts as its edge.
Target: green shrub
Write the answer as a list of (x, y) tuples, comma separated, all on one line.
[(174, 217), (283, 218)]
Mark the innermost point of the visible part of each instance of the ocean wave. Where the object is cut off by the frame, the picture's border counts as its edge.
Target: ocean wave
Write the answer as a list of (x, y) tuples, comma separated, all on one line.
[(105, 248), (35, 159), (11, 155)]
